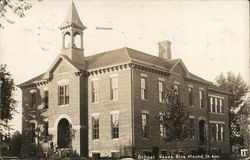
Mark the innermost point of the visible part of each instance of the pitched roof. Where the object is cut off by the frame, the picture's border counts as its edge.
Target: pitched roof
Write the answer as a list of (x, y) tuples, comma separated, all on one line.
[(197, 78), (213, 87), (109, 58), (171, 63), (126, 55), (72, 17), (33, 80), (123, 56), (144, 58)]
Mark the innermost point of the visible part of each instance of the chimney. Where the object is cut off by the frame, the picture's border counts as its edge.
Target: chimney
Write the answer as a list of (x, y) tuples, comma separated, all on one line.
[(165, 50)]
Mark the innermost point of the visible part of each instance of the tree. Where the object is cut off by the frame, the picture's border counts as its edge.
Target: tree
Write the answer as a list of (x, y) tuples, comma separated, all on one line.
[(70, 135), (8, 102), (175, 119), (35, 142), (239, 107), (9, 8), (15, 144)]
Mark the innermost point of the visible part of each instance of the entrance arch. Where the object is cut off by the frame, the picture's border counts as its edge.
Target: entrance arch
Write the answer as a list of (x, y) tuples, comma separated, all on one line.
[(202, 132), (63, 133)]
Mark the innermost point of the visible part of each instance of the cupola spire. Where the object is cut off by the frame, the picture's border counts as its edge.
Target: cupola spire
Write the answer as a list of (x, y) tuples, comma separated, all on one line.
[(72, 18), (72, 36)]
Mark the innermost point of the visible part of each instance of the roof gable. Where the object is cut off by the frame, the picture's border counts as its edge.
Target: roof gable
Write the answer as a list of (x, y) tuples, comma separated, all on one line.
[(55, 64), (179, 67)]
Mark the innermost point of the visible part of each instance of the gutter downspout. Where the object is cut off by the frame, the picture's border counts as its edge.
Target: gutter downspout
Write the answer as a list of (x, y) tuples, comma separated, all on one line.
[(132, 110), (208, 125)]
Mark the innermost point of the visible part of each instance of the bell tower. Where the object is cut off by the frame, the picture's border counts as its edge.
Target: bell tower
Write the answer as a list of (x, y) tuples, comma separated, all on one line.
[(72, 36)]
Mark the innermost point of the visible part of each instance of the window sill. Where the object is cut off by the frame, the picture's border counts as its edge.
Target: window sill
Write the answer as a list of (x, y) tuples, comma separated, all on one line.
[(217, 141), (217, 113), (113, 100), (144, 138), (115, 139), (95, 140), (94, 102), (162, 102), (64, 105), (145, 100)]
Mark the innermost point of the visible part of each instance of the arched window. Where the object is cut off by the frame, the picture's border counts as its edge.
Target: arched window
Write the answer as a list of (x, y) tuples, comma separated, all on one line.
[(77, 40), (66, 40)]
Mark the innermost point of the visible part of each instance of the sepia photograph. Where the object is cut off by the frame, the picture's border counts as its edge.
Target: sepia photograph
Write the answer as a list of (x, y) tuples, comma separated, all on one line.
[(124, 80)]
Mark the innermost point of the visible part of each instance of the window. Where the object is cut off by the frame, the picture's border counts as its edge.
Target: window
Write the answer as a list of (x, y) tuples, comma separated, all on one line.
[(161, 93), (143, 88), (33, 132), (213, 131), (221, 106), (94, 91), (46, 131), (192, 129), (216, 105), (33, 100), (163, 131), (211, 104), (114, 88), (63, 94), (217, 131), (213, 107), (96, 155), (190, 96), (115, 154), (177, 89), (115, 125), (222, 132), (201, 95), (46, 99), (95, 127), (145, 125)]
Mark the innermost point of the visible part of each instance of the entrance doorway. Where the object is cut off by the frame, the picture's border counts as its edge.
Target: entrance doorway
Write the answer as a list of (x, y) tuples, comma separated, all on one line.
[(202, 132), (63, 133)]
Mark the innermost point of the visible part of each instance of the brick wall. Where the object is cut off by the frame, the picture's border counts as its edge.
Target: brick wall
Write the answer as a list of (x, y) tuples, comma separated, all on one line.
[(55, 113), (153, 106), (103, 107), (221, 117), (129, 105)]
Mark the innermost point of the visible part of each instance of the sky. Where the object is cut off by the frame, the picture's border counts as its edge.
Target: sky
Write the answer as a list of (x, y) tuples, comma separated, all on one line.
[(211, 37)]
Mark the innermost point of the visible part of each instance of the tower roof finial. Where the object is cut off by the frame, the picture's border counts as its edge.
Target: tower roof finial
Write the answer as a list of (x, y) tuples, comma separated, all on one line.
[(72, 18)]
